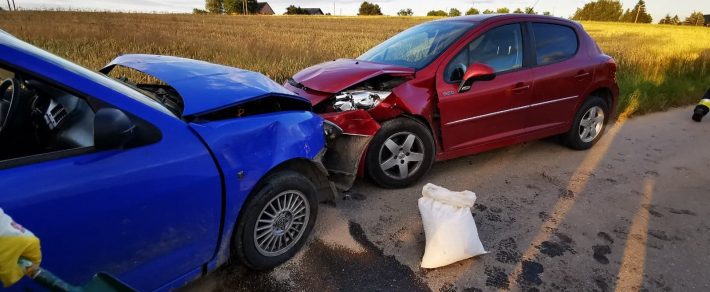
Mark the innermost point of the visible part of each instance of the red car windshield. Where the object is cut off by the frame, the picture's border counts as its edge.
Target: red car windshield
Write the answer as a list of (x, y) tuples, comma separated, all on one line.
[(418, 46)]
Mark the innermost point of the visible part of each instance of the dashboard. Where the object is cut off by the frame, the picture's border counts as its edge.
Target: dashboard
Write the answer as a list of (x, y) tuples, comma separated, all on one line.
[(63, 121)]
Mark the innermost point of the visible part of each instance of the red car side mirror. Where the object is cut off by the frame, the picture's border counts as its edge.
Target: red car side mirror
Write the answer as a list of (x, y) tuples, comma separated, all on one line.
[(476, 72)]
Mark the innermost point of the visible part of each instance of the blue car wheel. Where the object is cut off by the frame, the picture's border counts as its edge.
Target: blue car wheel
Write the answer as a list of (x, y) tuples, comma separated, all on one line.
[(277, 220), (281, 223)]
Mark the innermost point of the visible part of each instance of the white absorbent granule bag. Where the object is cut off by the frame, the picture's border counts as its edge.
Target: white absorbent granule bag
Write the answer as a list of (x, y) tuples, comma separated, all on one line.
[(450, 231)]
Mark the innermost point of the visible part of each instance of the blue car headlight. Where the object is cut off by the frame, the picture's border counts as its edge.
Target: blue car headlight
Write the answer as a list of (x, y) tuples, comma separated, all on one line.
[(331, 131)]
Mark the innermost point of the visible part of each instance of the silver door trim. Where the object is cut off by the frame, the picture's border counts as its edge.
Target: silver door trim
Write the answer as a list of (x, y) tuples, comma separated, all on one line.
[(509, 110)]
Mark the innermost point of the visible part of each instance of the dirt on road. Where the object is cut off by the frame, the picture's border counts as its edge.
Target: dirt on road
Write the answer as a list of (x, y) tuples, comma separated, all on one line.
[(630, 214)]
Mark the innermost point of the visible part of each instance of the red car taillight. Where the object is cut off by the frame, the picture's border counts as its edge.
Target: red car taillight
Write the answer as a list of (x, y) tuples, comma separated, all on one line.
[(611, 64)]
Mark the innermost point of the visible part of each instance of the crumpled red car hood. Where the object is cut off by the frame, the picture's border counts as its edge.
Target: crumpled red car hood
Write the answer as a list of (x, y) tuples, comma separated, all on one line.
[(334, 76)]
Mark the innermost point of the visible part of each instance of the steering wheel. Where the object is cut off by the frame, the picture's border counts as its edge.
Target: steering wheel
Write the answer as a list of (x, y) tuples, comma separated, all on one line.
[(9, 95)]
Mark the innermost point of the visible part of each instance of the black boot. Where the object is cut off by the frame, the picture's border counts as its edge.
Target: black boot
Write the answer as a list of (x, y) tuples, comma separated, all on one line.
[(700, 112)]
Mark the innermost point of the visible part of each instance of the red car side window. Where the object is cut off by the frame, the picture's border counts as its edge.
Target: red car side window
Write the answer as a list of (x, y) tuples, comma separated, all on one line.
[(500, 48), (554, 43)]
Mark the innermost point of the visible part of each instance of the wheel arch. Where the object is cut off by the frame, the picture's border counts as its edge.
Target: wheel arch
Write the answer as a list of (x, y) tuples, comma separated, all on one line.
[(417, 118), (311, 169), (422, 120), (300, 166), (435, 132), (423, 126), (604, 93)]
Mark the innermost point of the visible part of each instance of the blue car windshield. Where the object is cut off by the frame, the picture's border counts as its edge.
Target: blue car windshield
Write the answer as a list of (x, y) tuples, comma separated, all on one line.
[(418, 46)]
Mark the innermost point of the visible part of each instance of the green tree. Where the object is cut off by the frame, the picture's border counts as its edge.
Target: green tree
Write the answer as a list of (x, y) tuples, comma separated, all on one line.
[(666, 20), (237, 6), (530, 10), (194, 11), (503, 10), (626, 16), (547, 13), (293, 10), (231, 6), (696, 18), (600, 10), (405, 12), (454, 12), (638, 14), (472, 11), (519, 11), (367, 8), (252, 6), (214, 6), (436, 13), (488, 11), (676, 20)]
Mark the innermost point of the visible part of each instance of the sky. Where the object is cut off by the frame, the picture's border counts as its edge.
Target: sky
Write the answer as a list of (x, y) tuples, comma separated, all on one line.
[(563, 8)]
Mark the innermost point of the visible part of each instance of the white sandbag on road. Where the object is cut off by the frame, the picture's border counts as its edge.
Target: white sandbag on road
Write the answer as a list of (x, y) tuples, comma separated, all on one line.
[(451, 233)]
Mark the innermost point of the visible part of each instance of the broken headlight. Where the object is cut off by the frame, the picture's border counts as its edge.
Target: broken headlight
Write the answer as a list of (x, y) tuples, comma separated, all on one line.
[(359, 99), (331, 131)]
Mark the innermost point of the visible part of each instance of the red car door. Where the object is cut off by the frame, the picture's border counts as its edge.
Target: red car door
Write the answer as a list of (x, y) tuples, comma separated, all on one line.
[(491, 111), (562, 73)]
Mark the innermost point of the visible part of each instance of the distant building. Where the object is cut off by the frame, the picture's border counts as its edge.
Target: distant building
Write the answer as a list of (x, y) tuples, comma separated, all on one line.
[(264, 8), (314, 11)]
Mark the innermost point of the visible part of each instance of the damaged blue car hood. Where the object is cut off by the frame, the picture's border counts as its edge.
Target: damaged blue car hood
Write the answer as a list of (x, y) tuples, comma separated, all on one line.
[(204, 86)]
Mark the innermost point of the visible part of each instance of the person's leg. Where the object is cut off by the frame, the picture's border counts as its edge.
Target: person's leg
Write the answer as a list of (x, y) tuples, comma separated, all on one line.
[(702, 108)]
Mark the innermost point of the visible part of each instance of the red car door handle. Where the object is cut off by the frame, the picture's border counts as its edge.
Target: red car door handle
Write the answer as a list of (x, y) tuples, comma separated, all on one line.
[(519, 88), (582, 75)]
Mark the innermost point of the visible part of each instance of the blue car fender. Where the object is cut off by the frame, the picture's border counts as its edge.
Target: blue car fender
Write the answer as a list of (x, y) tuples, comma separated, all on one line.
[(248, 148)]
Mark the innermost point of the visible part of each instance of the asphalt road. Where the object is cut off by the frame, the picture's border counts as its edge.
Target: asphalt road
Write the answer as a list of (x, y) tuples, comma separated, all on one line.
[(628, 215)]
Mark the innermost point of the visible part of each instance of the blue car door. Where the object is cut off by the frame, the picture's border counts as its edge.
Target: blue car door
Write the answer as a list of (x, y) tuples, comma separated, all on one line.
[(148, 214)]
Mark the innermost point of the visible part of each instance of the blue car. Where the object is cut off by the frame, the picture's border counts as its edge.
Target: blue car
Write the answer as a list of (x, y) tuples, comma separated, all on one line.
[(157, 178)]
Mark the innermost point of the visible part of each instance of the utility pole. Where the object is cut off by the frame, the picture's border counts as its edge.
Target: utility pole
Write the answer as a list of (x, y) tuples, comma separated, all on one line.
[(13, 5), (532, 8), (638, 11)]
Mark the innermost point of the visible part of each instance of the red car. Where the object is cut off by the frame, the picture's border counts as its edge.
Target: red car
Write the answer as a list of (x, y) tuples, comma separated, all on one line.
[(463, 85)]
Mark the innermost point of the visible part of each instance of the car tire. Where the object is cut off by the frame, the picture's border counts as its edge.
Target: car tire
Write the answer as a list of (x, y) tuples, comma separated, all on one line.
[(275, 224), (401, 153), (589, 124)]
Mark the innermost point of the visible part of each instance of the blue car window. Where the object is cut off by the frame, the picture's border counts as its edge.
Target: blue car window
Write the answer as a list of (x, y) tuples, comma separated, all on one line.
[(39, 118)]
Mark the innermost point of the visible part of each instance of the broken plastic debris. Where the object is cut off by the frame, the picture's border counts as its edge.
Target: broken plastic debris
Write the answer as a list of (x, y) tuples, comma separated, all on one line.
[(451, 233)]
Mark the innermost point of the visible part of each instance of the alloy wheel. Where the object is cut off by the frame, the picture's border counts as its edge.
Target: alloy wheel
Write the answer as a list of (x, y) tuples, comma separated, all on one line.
[(591, 124), (281, 223), (401, 155)]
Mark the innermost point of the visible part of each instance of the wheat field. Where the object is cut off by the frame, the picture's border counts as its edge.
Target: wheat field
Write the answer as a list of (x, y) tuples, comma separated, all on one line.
[(660, 66)]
